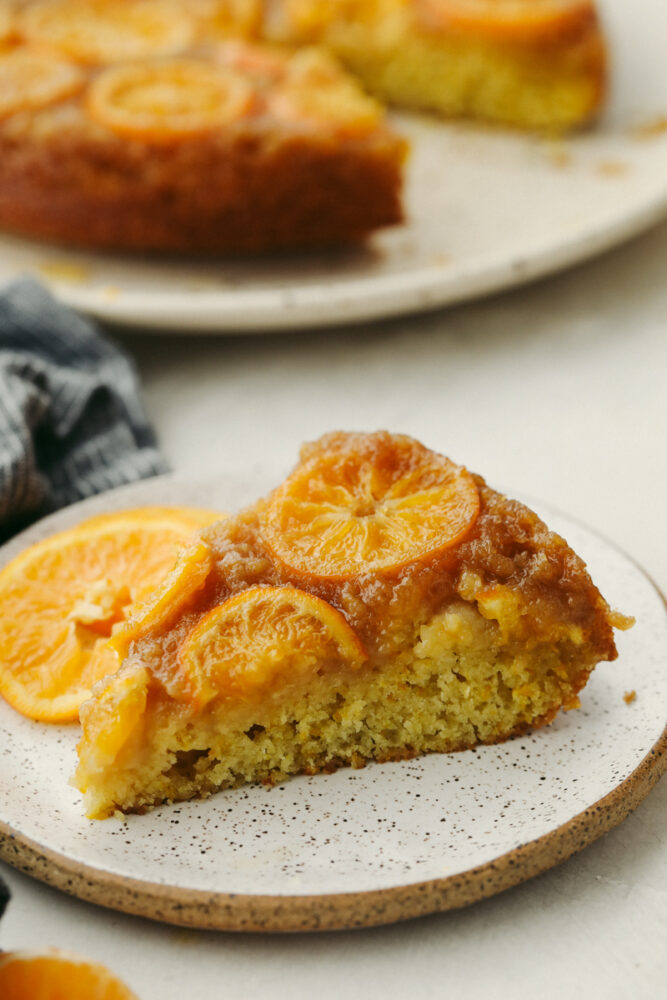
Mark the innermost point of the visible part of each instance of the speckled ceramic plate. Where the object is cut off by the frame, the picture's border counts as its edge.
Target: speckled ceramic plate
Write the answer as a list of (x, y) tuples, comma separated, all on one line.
[(355, 848), (485, 210)]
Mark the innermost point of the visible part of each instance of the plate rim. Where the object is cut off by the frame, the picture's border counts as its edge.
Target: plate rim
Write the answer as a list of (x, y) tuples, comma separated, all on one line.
[(282, 912), (355, 300)]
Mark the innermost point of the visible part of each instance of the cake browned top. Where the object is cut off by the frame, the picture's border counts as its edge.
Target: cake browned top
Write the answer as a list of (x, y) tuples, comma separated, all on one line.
[(369, 497)]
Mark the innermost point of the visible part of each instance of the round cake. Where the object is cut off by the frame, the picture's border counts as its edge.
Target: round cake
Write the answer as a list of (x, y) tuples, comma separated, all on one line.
[(249, 125)]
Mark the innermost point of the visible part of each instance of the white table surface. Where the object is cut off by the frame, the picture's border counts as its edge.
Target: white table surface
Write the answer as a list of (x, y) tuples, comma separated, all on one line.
[(558, 391)]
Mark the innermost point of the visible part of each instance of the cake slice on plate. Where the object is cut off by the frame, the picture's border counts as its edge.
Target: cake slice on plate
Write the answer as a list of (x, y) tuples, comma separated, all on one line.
[(383, 602)]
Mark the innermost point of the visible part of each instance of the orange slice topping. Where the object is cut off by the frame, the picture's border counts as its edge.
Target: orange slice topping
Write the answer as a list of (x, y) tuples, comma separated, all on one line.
[(368, 504), (167, 600), (260, 61), (316, 94), (112, 716), (265, 637), (106, 31), (164, 102), (61, 599), (53, 975), (510, 20), (30, 79)]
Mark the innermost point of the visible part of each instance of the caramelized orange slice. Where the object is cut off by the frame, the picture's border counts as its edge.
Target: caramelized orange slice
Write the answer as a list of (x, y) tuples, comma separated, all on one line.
[(316, 93), (306, 19), (61, 599), (510, 20), (165, 603), (260, 61), (264, 637), (164, 102), (31, 79), (368, 504), (54, 975), (106, 31), (113, 714)]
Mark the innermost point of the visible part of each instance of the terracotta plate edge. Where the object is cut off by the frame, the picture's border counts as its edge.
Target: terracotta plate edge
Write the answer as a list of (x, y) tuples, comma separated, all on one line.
[(336, 911)]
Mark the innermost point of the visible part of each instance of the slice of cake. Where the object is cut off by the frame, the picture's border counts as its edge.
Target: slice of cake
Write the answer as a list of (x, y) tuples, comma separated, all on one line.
[(537, 64), (381, 603)]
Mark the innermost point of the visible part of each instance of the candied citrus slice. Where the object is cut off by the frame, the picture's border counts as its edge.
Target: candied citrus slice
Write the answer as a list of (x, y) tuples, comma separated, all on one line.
[(113, 715), (166, 601), (163, 102), (316, 93), (106, 31), (518, 20), (61, 599), (30, 79), (54, 975), (261, 638), (368, 504)]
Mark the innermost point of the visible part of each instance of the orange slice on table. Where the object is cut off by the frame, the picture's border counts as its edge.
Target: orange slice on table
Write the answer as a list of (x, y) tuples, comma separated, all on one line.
[(106, 31), (55, 975), (166, 101), (368, 504), (31, 79), (262, 637), (61, 599), (510, 20)]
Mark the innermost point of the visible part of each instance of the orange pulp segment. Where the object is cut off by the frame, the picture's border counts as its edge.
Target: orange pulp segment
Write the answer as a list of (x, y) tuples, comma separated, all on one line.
[(57, 975), (61, 599), (235, 18), (113, 713), (31, 79), (262, 637), (104, 31), (346, 511), (162, 102)]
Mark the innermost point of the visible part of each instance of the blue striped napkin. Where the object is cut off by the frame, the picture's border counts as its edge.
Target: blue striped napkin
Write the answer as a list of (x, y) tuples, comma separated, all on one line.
[(71, 418)]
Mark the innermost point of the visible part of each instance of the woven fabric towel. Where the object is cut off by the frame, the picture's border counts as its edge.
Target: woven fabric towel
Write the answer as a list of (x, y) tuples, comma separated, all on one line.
[(71, 418)]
